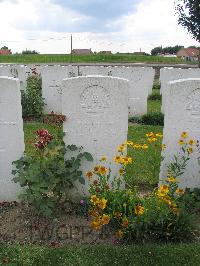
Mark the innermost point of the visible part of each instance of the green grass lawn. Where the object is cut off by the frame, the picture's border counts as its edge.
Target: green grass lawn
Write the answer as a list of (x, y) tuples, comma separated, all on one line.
[(64, 58), (155, 255)]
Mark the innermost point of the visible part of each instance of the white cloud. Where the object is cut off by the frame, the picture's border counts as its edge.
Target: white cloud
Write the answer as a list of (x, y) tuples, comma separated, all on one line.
[(153, 23)]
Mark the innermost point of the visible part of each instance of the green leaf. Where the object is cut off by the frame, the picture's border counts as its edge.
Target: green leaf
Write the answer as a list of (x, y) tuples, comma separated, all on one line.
[(88, 156)]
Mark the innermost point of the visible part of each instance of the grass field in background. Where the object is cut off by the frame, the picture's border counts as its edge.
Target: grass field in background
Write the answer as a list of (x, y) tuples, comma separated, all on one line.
[(134, 255), (98, 58)]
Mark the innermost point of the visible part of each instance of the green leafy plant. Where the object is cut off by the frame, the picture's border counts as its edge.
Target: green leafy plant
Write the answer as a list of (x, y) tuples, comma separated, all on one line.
[(155, 118), (162, 214), (46, 176), (32, 101)]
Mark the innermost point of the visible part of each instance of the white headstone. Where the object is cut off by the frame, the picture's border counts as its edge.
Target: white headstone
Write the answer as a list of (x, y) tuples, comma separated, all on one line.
[(52, 77), (141, 83), (182, 114), (170, 74), (96, 108), (11, 135)]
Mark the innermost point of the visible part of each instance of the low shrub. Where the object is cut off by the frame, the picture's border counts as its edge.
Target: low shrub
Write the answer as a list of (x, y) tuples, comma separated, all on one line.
[(32, 101), (46, 176), (156, 118)]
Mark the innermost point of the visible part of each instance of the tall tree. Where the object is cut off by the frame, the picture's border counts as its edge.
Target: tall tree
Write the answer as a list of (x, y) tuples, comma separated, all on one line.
[(188, 12)]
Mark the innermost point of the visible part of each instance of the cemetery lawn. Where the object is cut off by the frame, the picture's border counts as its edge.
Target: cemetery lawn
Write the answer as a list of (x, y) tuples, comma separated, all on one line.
[(154, 106), (141, 173), (94, 58), (166, 254)]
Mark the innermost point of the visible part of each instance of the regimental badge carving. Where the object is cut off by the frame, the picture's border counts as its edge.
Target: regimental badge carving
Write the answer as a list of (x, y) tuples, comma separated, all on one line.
[(95, 100), (193, 103)]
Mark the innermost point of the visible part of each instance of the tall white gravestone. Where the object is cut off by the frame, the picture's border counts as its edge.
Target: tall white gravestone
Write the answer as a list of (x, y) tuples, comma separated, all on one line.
[(11, 135), (96, 108), (182, 113)]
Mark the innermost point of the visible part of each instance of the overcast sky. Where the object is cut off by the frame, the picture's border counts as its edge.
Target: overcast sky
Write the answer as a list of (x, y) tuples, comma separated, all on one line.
[(116, 25)]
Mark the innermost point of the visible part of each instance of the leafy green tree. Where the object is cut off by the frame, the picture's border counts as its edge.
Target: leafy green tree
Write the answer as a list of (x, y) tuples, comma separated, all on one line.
[(29, 52), (188, 12), (156, 50)]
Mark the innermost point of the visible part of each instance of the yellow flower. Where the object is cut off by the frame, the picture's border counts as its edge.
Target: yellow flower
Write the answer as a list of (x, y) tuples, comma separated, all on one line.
[(117, 159), (94, 199), (105, 219), (96, 168), (125, 223), (93, 213), (137, 146), (163, 146), (150, 135), (121, 172), (129, 142), (139, 210), (103, 158), (103, 170), (167, 199), (164, 188), (181, 142), (121, 148), (119, 234), (184, 135), (152, 139), (102, 203), (89, 174), (127, 160), (145, 146), (180, 191), (159, 135), (96, 224), (162, 191), (190, 150), (171, 179), (191, 142)]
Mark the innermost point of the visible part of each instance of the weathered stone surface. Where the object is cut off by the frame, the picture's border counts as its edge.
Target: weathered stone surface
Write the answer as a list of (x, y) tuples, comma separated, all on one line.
[(11, 135), (96, 108), (182, 113), (170, 74), (141, 83), (52, 77)]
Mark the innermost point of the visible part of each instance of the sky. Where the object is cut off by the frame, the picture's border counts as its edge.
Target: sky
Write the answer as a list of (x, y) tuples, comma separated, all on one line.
[(114, 25)]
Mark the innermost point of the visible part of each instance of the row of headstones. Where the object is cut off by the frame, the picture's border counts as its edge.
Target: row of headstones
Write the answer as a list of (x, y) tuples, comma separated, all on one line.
[(97, 119), (140, 80)]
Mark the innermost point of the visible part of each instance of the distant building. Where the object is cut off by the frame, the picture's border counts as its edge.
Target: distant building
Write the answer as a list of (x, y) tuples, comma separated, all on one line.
[(82, 51), (105, 52), (188, 54), (5, 52)]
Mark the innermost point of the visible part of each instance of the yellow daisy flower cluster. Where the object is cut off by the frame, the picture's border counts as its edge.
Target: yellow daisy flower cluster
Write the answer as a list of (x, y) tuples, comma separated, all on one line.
[(152, 137), (190, 142), (99, 221), (139, 210), (99, 203), (122, 160)]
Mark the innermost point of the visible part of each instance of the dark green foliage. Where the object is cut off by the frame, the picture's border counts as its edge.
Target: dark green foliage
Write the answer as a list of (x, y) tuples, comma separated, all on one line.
[(167, 50), (47, 177), (32, 101), (153, 119), (155, 96)]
